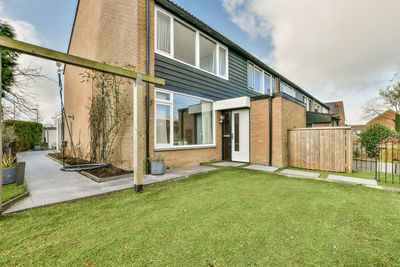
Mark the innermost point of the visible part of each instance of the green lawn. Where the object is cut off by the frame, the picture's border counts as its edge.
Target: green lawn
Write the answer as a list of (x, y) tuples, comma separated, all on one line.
[(11, 191), (227, 217)]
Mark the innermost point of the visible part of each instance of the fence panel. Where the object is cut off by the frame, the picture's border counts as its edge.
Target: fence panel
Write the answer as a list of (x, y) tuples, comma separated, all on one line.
[(324, 148)]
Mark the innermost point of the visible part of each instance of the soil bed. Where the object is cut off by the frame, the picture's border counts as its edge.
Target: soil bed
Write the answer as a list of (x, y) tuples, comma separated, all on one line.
[(100, 173)]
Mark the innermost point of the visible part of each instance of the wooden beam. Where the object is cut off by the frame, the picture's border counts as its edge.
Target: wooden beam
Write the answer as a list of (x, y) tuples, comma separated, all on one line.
[(37, 51), (138, 134)]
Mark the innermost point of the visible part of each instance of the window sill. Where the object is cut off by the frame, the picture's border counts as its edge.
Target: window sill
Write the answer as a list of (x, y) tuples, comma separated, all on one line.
[(183, 148)]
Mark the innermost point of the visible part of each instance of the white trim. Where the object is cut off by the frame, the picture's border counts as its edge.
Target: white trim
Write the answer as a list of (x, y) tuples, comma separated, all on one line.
[(171, 145), (232, 103), (197, 44)]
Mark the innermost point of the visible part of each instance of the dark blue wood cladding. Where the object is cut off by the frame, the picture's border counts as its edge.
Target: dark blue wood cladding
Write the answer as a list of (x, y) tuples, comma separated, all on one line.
[(182, 78)]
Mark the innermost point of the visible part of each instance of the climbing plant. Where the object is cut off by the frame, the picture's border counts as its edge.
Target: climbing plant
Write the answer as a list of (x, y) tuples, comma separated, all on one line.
[(109, 109)]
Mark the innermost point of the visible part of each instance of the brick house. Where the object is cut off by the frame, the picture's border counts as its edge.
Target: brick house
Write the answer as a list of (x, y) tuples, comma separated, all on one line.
[(386, 118), (219, 101)]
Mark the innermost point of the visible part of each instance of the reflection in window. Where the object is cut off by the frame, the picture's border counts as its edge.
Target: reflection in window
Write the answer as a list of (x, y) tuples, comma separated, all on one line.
[(192, 121), (208, 57), (258, 80), (222, 62), (236, 134), (163, 124), (184, 43), (250, 75), (267, 84)]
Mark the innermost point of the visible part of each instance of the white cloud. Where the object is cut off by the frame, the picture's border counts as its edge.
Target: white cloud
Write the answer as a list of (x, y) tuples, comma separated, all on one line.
[(336, 50), (45, 92)]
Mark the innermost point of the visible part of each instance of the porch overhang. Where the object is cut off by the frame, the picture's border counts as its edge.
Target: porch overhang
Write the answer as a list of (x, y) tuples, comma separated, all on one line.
[(232, 103)]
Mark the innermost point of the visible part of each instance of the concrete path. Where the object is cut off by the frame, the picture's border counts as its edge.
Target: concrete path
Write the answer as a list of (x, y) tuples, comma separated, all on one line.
[(48, 185), (299, 174), (352, 180), (261, 168), (228, 164)]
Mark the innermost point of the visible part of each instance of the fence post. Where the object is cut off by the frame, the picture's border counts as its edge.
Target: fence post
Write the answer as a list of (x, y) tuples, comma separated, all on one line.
[(349, 150), (138, 134)]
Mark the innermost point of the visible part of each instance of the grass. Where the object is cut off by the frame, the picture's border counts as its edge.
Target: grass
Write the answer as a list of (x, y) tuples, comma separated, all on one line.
[(356, 174), (226, 217), (11, 191)]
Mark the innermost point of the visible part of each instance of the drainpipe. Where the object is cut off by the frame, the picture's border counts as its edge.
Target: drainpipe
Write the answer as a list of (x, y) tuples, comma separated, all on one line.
[(270, 130), (147, 87)]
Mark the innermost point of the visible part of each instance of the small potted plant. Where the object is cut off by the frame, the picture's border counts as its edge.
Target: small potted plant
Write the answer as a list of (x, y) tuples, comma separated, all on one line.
[(157, 165), (9, 173)]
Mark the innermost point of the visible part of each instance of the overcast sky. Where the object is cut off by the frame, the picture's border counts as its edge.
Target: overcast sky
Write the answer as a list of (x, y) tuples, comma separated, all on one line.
[(337, 50)]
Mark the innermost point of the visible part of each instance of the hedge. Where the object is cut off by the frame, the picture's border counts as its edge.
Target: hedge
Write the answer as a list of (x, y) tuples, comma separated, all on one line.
[(28, 134)]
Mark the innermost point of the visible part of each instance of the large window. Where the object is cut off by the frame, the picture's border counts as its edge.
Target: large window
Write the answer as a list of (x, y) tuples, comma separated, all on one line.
[(258, 80), (267, 83), (192, 120), (180, 41), (184, 43), (250, 75)]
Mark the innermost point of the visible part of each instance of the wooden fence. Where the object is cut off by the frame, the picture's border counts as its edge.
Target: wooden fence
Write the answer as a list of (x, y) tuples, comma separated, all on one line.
[(325, 148)]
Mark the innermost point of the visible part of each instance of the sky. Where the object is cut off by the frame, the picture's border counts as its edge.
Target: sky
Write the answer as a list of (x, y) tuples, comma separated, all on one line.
[(335, 50)]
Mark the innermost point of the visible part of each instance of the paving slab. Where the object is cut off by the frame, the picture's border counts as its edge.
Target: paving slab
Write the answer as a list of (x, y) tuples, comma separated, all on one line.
[(176, 174), (261, 168), (352, 180), (301, 174), (229, 164)]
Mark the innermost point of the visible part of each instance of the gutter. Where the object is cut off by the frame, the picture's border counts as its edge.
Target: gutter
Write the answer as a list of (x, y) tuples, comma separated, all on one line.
[(147, 87)]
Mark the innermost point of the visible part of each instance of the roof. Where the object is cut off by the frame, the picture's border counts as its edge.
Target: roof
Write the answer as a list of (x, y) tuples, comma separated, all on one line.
[(360, 127), (388, 114)]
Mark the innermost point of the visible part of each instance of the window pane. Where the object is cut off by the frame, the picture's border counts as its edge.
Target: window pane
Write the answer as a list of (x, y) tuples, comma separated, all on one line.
[(163, 96), (222, 62), (208, 57), (184, 43), (250, 75), (236, 134), (267, 84), (163, 124), (192, 121), (273, 85), (163, 32), (257, 80)]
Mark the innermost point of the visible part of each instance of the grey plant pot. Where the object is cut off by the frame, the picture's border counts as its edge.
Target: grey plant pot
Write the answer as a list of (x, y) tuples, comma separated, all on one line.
[(37, 148), (9, 175), (157, 168)]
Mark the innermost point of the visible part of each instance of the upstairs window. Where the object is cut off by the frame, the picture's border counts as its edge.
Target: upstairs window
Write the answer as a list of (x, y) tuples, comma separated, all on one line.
[(184, 43), (258, 80), (208, 54), (178, 40), (250, 75), (273, 84), (267, 83), (163, 32)]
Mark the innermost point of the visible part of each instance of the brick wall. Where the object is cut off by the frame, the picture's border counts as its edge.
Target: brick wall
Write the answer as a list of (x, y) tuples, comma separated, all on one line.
[(259, 132), (285, 115)]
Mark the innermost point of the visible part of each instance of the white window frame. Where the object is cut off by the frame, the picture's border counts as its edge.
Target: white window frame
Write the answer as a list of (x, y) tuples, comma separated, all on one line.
[(263, 72), (197, 44), (171, 145)]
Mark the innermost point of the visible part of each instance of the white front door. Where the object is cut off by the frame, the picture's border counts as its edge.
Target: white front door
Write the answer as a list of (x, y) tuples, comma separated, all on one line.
[(240, 135)]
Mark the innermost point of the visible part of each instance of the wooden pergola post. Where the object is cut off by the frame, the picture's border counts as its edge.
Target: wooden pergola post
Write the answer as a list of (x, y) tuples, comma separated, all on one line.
[(138, 133), (41, 52)]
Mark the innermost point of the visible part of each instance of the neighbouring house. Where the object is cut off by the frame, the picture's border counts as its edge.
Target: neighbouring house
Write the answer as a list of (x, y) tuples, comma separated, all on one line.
[(386, 118), (318, 119), (357, 129), (219, 101), (49, 136), (337, 111)]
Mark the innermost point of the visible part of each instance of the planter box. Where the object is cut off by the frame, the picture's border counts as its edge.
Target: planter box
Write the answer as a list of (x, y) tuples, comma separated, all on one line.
[(157, 168), (9, 175)]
